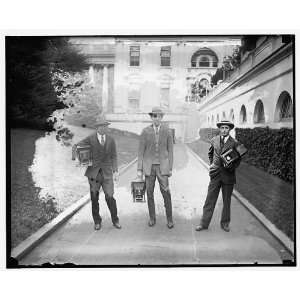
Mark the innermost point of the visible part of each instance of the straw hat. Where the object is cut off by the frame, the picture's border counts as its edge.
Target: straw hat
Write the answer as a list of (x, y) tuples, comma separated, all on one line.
[(225, 122)]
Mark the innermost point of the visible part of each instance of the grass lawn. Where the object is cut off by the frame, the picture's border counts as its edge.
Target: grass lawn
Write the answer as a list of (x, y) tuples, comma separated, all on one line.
[(269, 194), (28, 213), (43, 177)]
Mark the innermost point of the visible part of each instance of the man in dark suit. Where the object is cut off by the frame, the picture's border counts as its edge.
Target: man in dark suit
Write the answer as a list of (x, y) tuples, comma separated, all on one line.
[(221, 177), (103, 172), (155, 160)]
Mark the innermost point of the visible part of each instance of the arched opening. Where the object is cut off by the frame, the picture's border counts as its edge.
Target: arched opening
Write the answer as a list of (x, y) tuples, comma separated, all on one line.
[(218, 118), (243, 115), (204, 61), (205, 58), (204, 83), (284, 108), (259, 113), (231, 114), (223, 116), (208, 120), (212, 121)]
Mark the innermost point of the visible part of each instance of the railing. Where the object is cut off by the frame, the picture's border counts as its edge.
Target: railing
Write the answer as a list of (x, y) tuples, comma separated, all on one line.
[(252, 59)]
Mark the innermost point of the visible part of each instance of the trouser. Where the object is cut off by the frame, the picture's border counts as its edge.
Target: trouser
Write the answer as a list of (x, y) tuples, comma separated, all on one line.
[(165, 191), (211, 200), (108, 189)]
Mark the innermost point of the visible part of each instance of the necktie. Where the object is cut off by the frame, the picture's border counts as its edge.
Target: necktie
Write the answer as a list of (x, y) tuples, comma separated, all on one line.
[(102, 139), (156, 133), (222, 141)]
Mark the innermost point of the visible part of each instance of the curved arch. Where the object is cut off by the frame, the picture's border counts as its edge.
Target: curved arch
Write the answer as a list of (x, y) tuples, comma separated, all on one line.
[(243, 115), (204, 61), (259, 112), (205, 53), (284, 108), (231, 115)]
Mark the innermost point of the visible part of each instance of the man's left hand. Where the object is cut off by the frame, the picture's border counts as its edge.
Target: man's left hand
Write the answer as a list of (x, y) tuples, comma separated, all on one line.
[(116, 176)]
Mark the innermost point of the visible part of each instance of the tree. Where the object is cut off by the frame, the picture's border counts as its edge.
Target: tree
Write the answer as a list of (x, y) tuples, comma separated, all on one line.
[(30, 63)]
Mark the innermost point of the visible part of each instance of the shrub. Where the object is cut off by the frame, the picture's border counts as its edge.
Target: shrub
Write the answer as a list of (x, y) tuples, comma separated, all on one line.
[(270, 149), (206, 134)]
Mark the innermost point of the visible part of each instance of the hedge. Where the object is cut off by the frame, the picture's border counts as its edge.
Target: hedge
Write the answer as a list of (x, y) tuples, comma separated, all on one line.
[(206, 134), (269, 149)]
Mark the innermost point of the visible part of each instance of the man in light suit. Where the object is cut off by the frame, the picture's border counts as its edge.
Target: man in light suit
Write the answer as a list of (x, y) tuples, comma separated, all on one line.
[(220, 177), (103, 172), (155, 160)]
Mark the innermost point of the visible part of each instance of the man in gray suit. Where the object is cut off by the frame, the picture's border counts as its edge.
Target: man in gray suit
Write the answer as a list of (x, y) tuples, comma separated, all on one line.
[(155, 160), (221, 177), (103, 172)]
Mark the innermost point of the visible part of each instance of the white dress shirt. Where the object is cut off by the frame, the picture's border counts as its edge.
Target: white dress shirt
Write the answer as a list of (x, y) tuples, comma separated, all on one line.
[(99, 138), (226, 138)]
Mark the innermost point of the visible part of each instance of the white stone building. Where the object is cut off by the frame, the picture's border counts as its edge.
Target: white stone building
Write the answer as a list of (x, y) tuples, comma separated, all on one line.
[(133, 74), (260, 92)]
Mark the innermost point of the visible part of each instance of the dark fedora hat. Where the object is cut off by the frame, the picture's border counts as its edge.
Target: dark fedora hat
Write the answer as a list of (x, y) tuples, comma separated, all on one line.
[(101, 121), (225, 122), (156, 110)]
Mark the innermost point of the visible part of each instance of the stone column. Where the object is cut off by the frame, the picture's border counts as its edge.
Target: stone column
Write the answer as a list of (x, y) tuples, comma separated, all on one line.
[(105, 88), (92, 75)]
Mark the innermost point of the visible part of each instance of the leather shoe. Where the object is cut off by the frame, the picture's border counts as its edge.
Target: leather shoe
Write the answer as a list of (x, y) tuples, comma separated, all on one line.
[(170, 225), (200, 227), (117, 225), (225, 227), (151, 223), (97, 226)]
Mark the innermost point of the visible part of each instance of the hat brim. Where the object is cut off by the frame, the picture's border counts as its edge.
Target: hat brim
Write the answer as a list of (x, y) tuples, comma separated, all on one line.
[(227, 124), (156, 113)]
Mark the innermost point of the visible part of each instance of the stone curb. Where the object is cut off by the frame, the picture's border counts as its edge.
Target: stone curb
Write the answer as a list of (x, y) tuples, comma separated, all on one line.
[(281, 236), (33, 240)]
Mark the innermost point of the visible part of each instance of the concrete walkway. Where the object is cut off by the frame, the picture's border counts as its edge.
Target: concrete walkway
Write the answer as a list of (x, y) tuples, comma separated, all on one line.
[(76, 242)]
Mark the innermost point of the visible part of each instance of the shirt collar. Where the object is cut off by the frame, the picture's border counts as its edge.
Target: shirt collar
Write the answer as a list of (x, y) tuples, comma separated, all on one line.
[(158, 127), (99, 137), (226, 138)]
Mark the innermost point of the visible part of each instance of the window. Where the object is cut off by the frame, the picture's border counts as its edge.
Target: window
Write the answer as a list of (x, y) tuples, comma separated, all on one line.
[(204, 57), (134, 55), (243, 115), (204, 61), (284, 108), (165, 56), (259, 113), (223, 116), (165, 97), (134, 99), (218, 118), (212, 121)]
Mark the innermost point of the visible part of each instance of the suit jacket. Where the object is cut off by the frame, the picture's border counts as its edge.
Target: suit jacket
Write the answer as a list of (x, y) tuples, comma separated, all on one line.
[(146, 153), (104, 157), (217, 171)]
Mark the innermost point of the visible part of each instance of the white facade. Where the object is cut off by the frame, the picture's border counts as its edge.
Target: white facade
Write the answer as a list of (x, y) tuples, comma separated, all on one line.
[(136, 89), (258, 93)]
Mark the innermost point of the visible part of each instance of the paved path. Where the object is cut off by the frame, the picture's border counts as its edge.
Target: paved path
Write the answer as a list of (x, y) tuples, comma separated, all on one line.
[(136, 243)]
